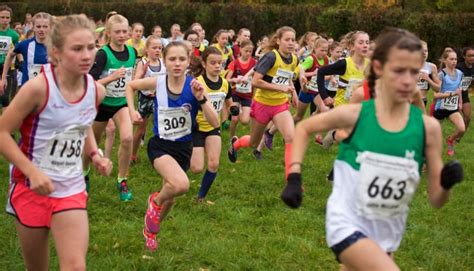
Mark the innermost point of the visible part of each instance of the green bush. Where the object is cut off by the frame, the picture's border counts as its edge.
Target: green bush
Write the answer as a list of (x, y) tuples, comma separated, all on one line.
[(438, 29)]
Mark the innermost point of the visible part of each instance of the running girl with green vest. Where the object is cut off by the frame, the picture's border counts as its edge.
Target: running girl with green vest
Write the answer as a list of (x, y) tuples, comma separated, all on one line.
[(8, 40), (113, 68), (378, 168)]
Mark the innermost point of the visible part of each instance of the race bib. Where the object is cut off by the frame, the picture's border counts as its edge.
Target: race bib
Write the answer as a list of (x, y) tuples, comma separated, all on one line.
[(313, 84), (332, 86), (386, 185), (450, 103), (34, 70), (117, 88), (282, 77), (63, 153), (217, 100), (422, 83), (174, 122), (466, 82), (5, 43), (244, 87), (351, 87)]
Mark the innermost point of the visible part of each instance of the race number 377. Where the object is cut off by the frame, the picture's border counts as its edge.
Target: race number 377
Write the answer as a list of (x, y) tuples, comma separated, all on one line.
[(282, 77)]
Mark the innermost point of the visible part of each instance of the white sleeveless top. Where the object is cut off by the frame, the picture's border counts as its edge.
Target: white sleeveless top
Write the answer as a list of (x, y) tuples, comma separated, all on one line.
[(54, 138), (152, 72)]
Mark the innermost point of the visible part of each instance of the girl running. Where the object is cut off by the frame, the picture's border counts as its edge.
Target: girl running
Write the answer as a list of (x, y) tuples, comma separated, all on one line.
[(376, 179), (220, 40), (262, 44), (273, 80), (150, 66), (239, 75), (309, 94), (206, 138), (193, 37), (467, 67), (449, 99), (47, 190), (178, 97), (113, 68), (32, 50), (242, 35), (136, 41), (428, 75), (306, 44), (350, 70)]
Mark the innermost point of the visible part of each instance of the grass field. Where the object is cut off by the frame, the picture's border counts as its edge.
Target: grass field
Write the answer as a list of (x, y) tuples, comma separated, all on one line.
[(246, 226)]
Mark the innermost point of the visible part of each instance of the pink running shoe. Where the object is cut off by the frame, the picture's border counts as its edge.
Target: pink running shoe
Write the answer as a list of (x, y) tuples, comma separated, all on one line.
[(450, 147), (152, 223)]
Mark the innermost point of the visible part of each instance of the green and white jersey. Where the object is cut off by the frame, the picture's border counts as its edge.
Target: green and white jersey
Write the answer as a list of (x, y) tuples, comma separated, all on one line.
[(376, 174), (115, 90)]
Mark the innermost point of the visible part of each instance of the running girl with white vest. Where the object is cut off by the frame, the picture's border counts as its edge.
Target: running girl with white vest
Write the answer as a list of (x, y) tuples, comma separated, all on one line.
[(47, 191), (149, 66)]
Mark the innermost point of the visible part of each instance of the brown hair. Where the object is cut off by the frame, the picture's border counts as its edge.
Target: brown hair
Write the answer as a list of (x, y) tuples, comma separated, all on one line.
[(303, 40), (138, 24), (219, 32), (174, 44), (246, 43), (6, 8), (391, 38), (197, 68), (445, 56), (272, 44), (334, 45)]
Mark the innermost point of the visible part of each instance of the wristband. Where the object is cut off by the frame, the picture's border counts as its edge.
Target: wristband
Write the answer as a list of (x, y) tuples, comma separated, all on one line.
[(203, 101), (96, 152)]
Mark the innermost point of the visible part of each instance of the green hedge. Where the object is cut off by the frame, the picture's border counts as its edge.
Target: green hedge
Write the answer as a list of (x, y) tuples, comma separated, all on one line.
[(438, 29)]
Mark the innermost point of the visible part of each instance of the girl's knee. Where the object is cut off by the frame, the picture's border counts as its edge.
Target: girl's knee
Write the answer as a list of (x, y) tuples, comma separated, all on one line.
[(213, 165), (196, 168)]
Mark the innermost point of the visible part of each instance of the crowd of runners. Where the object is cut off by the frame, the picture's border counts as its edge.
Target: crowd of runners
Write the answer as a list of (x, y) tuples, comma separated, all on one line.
[(370, 96)]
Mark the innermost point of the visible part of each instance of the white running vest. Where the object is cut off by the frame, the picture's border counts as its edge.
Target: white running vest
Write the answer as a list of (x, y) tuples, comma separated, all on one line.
[(54, 138)]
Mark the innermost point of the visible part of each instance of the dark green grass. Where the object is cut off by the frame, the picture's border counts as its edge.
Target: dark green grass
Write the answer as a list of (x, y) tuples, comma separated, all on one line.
[(248, 227)]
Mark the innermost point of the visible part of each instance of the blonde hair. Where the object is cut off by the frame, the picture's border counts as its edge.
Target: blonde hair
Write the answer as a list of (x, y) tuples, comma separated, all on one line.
[(272, 43), (319, 42), (42, 15), (352, 37), (445, 56), (304, 39), (62, 27), (114, 19)]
